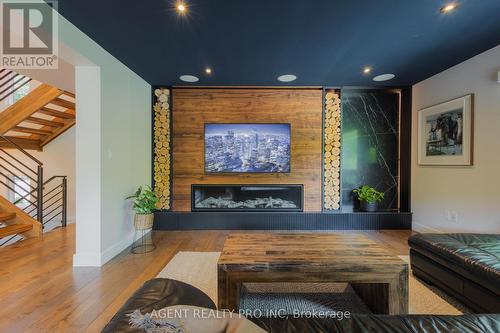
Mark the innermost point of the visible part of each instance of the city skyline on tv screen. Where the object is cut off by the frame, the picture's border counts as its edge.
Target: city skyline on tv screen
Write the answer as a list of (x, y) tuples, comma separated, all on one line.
[(251, 148)]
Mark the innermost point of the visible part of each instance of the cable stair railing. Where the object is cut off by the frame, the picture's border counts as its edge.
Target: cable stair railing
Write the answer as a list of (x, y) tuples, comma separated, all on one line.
[(10, 82), (45, 201)]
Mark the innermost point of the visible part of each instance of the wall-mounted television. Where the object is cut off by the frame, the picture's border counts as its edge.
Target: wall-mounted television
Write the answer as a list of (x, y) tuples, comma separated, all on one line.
[(248, 148)]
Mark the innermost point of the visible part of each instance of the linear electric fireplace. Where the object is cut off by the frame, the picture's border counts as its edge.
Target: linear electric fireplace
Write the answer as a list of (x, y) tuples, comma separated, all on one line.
[(254, 198)]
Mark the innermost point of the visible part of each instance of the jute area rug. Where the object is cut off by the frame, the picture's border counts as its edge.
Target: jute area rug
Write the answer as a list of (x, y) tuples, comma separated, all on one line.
[(199, 269)]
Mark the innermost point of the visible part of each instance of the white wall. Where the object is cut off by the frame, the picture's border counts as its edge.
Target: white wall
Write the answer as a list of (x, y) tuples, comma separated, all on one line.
[(88, 167), (125, 153), (62, 78), (473, 193), (113, 145)]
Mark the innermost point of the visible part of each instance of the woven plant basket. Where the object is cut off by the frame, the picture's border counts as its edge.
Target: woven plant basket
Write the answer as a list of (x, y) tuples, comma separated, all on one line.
[(143, 221)]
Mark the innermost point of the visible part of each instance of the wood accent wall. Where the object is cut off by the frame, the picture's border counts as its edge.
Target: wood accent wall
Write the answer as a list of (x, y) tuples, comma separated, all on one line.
[(193, 107)]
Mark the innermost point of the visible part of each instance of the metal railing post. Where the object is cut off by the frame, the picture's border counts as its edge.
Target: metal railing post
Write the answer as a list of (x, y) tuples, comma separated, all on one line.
[(65, 201), (39, 194)]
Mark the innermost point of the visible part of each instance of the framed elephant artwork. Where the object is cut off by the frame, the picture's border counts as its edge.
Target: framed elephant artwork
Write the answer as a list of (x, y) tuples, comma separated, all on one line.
[(445, 133)]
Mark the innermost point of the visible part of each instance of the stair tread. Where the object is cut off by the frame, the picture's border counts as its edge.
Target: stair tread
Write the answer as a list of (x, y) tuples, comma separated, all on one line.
[(31, 130), (56, 113), (4, 216), (45, 122), (63, 103), (14, 229)]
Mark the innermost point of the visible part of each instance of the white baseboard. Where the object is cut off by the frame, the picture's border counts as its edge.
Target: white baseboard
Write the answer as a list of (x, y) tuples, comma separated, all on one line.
[(424, 229), (115, 249), (87, 260), (99, 259)]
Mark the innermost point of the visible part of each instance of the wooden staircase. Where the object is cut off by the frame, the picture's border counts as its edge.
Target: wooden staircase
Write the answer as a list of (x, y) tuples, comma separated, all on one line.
[(29, 124), (16, 222), (37, 118)]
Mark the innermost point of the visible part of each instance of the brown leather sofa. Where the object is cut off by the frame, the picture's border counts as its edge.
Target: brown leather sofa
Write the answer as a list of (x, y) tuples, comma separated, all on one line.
[(385, 324), (466, 266), (159, 293)]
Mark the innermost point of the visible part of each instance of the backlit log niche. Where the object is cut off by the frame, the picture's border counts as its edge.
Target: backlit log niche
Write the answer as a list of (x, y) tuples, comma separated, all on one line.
[(332, 142), (162, 160)]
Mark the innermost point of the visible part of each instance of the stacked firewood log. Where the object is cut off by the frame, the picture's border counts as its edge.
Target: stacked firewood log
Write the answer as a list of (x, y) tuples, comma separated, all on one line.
[(332, 132), (162, 163)]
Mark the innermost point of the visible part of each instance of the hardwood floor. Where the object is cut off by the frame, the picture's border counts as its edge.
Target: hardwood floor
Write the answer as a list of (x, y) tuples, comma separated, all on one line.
[(40, 290)]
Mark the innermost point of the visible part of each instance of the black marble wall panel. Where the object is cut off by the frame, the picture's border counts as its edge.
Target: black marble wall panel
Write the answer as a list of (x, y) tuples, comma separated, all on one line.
[(370, 148)]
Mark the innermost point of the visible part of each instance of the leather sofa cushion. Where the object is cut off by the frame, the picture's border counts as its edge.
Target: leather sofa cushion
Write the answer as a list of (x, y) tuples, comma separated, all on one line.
[(476, 254), (385, 324), (157, 294)]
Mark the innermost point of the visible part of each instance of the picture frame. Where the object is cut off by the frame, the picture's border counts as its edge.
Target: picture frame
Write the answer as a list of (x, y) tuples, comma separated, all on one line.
[(445, 133)]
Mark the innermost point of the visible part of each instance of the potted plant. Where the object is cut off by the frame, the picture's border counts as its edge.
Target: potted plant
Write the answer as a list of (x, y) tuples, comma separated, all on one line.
[(145, 201), (368, 198)]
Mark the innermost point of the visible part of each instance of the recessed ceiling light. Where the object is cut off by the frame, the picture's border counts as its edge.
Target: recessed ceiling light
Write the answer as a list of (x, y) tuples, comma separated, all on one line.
[(448, 8), (287, 78), (189, 78), (367, 70), (208, 70), (181, 7), (384, 77)]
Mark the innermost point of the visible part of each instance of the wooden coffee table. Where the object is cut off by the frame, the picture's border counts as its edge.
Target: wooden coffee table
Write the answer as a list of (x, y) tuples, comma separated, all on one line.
[(377, 276)]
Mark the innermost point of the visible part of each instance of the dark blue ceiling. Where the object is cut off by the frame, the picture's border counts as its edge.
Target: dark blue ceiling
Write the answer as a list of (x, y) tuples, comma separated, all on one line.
[(251, 42)]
